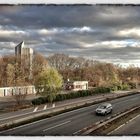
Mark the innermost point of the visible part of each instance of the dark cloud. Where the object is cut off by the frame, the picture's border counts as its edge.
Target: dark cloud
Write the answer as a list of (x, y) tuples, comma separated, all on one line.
[(70, 16), (106, 33)]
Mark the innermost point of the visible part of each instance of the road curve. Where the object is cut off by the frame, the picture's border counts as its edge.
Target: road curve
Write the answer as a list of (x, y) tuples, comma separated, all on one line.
[(69, 123)]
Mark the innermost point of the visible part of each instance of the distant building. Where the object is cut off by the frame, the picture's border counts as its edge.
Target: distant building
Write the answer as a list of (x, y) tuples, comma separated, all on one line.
[(19, 48), (9, 91), (25, 55), (76, 85)]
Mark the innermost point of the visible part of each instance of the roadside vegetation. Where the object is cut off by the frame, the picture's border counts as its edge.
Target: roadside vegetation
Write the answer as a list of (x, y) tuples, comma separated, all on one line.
[(15, 72), (49, 74), (48, 83), (77, 94)]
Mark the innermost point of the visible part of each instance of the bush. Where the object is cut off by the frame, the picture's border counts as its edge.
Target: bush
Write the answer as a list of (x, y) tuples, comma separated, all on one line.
[(36, 101), (72, 95), (114, 88), (102, 90), (125, 87), (118, 86), (132, 85), (59, 97), (40, 100)]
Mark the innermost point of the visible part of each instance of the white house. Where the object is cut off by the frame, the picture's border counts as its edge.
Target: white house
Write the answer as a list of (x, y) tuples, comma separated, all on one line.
[(76, 85)]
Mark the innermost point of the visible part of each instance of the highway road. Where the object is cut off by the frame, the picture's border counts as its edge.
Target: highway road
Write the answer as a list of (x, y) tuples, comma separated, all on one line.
[(5, 117), (132, 127), (11, 116), (69, 123)]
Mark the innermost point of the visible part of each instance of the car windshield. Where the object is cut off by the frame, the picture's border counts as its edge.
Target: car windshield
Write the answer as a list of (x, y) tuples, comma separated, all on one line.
[(102, 106)]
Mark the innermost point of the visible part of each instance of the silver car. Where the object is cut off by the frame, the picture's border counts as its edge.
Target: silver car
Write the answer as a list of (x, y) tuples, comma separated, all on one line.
[(104, 109)]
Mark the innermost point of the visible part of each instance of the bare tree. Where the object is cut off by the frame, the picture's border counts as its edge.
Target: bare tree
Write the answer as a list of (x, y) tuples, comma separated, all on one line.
[(39, 63), (16, 78)]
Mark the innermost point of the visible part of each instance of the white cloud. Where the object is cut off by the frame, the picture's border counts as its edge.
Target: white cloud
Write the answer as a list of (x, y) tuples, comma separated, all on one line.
[(47, 31), (129, 63), (118, 44), (7, 45), (105, 44), (82, 29), (11, 32), (66, 30), (108, 44), (114, 44), (130, 32)]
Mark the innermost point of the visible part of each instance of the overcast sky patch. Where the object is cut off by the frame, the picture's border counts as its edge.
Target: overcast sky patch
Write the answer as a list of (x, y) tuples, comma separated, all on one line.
[(103, 33)]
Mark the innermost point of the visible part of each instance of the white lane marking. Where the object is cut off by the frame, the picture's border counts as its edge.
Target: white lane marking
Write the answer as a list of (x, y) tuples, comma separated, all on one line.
[(40, 110), (123, 124), (35, 109), (57, 125), (116, 129), (45, 107), (32, 123), (80, 109), (76, 132), (134, 118), (49, 108)]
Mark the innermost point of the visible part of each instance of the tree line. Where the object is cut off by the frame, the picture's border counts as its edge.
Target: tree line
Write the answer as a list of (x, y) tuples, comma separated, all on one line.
[(15, 73), (49, 74), (95, 72)]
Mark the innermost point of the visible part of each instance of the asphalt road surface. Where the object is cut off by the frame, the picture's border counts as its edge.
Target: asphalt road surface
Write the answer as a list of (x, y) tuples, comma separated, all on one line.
[(12, 116), (69, 123), (131, 128)]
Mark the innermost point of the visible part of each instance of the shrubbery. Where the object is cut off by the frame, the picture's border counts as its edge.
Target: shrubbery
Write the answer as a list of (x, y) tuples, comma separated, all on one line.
[(116, 87), (40, 100), (72, 95), (132, 85), (102, 90), (82, 93), (125, 87)]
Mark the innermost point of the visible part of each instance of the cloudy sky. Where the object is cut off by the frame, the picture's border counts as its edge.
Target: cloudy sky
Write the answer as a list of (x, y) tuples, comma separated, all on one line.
[(104, 33), (70, 1)]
